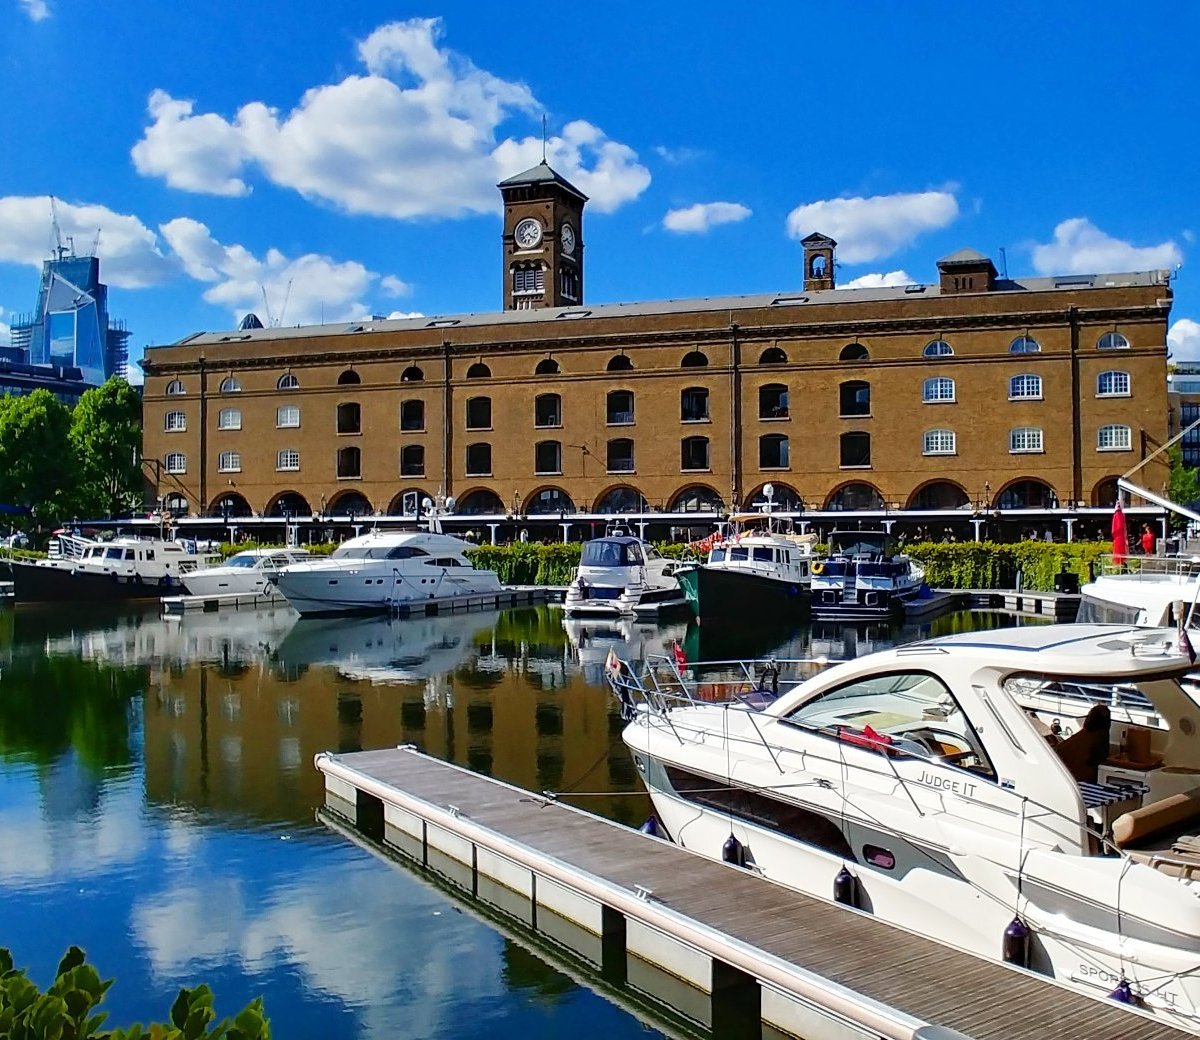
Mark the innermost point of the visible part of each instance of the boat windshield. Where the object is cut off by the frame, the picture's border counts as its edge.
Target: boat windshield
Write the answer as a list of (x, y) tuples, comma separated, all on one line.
[(604, 553), (376, 552), (242, 560), (858, 543)]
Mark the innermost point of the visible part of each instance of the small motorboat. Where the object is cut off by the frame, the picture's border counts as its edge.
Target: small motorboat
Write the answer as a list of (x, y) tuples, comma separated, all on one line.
[(623, 575), (245, 573)]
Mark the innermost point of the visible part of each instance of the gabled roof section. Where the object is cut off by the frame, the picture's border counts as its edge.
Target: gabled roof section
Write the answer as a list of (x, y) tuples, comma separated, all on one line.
[(817, 239), (965, 256), (541, 174)]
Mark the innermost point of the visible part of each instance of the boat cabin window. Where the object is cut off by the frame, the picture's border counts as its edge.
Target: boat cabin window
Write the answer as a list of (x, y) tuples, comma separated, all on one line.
[(716, 556), (763, 553), (905, 714), (739, 552), (443, 561), (240, 560), (376, 552), (602, 553)]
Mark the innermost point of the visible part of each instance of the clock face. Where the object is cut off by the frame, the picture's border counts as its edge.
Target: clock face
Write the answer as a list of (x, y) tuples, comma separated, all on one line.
[(568, 239), (528, 233)]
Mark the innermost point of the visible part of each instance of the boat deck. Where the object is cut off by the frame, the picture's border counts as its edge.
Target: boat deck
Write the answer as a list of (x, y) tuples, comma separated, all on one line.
[(887, 981)]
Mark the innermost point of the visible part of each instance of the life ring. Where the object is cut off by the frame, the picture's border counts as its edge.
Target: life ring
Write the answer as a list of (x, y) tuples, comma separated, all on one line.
[(817, 568)]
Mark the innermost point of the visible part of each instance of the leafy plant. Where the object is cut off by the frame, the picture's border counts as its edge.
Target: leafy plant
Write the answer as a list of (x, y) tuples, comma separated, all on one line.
[(68, 1009)]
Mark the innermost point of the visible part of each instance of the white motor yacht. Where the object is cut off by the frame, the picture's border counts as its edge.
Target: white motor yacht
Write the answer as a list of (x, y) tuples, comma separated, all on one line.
[(622, 575), (384, 570), (1143, 591), (913, 784), (245, 573)]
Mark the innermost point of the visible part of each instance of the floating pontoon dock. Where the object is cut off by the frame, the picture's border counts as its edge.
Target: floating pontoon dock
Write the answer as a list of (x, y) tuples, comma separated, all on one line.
[(511, 596), (694, 932)]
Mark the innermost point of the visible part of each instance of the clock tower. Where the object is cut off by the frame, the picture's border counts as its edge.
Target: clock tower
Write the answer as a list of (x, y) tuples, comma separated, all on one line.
[(542, 240)]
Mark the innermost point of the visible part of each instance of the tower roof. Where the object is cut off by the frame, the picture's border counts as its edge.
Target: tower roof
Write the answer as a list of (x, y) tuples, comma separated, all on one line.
[(541, 174), (817, 239), (965, 256)]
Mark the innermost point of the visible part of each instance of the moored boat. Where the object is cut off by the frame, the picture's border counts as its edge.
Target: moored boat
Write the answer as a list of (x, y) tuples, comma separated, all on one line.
[(245, 573), (623, 575), (863, 578)]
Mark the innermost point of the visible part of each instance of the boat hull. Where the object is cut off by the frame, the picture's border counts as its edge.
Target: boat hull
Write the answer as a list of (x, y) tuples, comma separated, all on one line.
[(330, 592), (719, 594), (833, 604), (37, 583)]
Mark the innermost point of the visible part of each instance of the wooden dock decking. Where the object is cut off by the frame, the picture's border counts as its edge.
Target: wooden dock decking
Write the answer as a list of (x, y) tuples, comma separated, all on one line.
[(871, 979)]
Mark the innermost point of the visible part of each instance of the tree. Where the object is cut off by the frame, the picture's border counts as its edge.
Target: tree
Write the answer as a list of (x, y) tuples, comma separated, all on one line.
[(37, 467), (1183, 486), (106, 436)]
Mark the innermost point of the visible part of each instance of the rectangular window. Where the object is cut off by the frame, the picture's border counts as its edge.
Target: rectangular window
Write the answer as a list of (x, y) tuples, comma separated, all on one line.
[(1025, 439), (229, 419), (547, 457), (1114, 438), (176, 462), (939, 442), (287, 460), (229, 462), (1025, 388), (287, 416), (175, 422), (479, 460), (1113, 384)]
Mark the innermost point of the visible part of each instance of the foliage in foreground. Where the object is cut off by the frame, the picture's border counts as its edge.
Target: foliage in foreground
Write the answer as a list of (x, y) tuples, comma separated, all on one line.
[(68, 1009)]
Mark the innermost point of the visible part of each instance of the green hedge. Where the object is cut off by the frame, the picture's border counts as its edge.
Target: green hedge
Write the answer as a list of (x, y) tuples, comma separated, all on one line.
[(531, 563), (991, 565)]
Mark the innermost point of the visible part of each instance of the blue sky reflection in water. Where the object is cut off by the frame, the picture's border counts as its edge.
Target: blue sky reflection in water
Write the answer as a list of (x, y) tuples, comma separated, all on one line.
[(156, 799)]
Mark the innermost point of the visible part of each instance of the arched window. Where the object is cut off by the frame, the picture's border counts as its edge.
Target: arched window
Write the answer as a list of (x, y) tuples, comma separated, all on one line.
[(547, 411), (1024, 345), (412, 460), (478, 371), (1114, 437), (290, 503), (694, 359), (481, 502), (229, 419), (773, 451), (854, 398), (693, 404), (349, 378), (784, 498), (1025, 387), (854, 352), (176, 504), (773, 401), (818, 266), (1112, 341), (1105, 493), (938, 348), (694, 453), (175, 388), (1024, 440), (937, 389), (349, 417), (349, 462), (620, 456), (547, 457), (412, 414), (550, 500), (412, 374), (619, 407), (352, 503), (479, 460), (229, 385), (622, 500), (939, 442), (287, 381), (772, 356), (479, 413), (1027, 494), (856, 497), (1112, 384), (697, 500), (287, 460), (547, 367), (855, 449), (175, 422), (939, 494), (230, 505), (176, 462), (620, 363), (229, 462)]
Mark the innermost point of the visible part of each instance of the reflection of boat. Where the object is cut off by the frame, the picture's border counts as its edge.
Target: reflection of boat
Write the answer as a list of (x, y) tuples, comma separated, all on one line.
[(913, 784), (619, 574), (121, 569), (755, 571), (384, 649), (246, 573), (863, 578), (384, 570), (630, 639)]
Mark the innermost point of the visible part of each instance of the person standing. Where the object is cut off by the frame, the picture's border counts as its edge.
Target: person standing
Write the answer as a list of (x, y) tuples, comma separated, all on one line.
[(1148, 539)]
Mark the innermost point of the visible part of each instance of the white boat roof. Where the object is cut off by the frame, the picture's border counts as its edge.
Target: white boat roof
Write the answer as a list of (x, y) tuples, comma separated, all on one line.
[(393, 538), (1085, 651), (271, 551)]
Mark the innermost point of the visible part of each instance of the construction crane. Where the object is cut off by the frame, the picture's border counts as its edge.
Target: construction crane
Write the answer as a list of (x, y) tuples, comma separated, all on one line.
[(56, 244), (272, 321)]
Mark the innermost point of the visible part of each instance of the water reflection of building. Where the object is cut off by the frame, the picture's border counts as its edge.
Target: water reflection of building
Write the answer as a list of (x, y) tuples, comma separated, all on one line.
[(498, 694)]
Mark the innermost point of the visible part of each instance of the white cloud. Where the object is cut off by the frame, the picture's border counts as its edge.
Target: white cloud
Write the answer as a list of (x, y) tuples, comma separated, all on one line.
[(414, 137), (699, 218), (678, 156), (5, 330), (878, 280), (36, 9), (393, 286), (396, 315), (1183, 340), (867, 229), (1079, 247), (300, 290), (130, 253)]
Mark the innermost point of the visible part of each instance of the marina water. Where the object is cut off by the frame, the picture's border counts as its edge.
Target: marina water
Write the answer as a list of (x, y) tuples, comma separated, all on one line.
[(157, 801)]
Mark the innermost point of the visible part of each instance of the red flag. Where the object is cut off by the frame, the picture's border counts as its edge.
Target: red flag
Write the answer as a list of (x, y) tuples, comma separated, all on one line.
[(1120, 539), (680, 656)]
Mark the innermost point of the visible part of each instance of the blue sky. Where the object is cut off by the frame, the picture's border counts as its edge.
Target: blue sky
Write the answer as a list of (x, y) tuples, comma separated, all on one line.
[(351, 151)]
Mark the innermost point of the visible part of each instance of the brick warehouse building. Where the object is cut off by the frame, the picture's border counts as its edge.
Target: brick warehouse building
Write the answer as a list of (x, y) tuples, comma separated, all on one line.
[(975, 397)]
